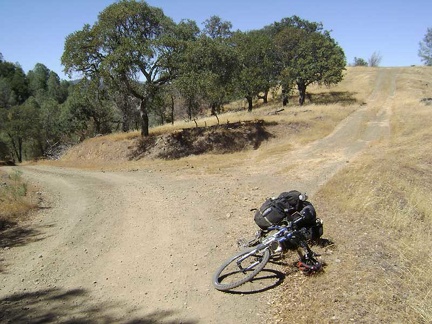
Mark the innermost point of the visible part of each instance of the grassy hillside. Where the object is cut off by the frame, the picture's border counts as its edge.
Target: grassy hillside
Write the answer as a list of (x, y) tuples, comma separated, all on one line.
[(378, 211), (324, 109), (17, 198)]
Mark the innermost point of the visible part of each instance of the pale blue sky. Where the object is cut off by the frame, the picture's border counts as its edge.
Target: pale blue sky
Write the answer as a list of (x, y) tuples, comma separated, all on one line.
[(33, 31)]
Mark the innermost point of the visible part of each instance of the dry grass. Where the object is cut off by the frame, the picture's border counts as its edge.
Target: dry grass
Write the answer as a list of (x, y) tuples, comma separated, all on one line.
[(378, 213), (15, 198)]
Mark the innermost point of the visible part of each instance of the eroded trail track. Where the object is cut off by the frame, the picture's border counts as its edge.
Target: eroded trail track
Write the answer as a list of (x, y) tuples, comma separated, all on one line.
[(141, 246)]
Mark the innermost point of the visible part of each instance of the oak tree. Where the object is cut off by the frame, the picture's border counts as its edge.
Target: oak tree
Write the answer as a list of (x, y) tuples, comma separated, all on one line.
[(132, 46), (309, 55), (257, 61)]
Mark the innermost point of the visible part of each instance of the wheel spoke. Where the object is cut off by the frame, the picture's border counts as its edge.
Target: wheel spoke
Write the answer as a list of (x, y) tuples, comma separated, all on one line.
[(240, 268)]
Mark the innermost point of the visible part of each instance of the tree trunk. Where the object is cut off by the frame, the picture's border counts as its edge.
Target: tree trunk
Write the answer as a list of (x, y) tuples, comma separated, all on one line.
[(125, 123), (41, 147), (172, 110), (17, 147), (125, 112), (144, 118), (98, 125), (189, 110), (249, 100), (302, 92), (213, 109), (20, 150), (284, 96)]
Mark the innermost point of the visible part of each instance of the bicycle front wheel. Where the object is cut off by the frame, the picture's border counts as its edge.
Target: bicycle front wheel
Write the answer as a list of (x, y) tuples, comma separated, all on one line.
[(240, 268)]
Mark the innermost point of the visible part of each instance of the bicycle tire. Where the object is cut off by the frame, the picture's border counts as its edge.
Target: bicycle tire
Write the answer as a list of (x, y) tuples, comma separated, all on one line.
[(260, 259)]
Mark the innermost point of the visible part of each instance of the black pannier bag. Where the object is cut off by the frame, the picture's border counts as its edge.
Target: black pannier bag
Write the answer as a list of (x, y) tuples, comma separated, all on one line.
[(290, 200), (274, 210), (269, 214), (315, 231), (292, 207)]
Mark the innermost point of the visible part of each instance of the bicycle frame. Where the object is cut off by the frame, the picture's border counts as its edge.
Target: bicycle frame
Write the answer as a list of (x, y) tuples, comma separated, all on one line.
[(251, 266), (284, 233)]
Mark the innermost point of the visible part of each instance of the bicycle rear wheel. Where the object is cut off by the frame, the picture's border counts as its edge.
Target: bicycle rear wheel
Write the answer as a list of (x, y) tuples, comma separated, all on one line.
[(240, 268)]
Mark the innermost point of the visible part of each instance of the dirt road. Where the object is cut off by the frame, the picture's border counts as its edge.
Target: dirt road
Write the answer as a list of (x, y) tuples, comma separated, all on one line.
[(140, 246)]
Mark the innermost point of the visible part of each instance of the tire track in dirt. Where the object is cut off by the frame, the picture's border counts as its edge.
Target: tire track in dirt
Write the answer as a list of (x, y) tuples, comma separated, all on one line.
[(310, 166), (141, 246)]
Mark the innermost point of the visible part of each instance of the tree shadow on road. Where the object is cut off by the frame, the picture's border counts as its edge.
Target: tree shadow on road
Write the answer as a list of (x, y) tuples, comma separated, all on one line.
[(19, 235), (15, 235), (73, 306)]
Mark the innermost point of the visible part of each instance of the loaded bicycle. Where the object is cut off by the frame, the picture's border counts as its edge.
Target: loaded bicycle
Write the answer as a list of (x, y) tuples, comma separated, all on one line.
[(272, 243)]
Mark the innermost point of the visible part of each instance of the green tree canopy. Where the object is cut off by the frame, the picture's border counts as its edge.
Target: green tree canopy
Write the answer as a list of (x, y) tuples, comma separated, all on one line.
[(257, 64), (309, 57), (38, 78), (13, 85), (133, 45), (293, 22), (57, 89), (209, 64), (19, 124), (213, 59), (359, 62), (215, 27), (213, 65), (89, 104), (425, 51)]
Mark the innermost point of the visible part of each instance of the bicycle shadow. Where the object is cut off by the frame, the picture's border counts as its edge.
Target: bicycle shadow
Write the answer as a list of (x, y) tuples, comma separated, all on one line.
[(265, 280)]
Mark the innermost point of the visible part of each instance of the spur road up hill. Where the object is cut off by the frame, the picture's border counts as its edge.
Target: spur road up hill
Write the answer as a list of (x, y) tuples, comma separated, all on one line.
[(141, 245)]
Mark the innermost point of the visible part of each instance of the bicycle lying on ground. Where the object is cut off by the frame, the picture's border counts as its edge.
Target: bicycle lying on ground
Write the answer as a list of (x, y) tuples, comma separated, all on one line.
[(245, 265)]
